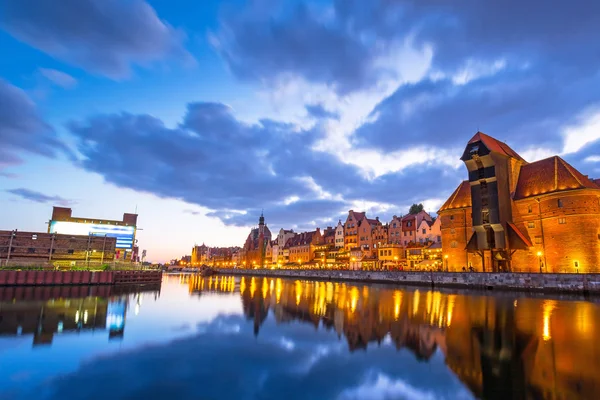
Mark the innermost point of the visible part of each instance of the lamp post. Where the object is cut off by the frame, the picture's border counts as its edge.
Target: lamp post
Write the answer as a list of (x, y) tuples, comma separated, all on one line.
[(396, 260), (539, 254), (446, 258)]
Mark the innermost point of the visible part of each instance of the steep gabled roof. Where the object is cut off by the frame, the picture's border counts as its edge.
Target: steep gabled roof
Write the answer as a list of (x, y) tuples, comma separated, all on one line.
[(495, 145), (550, 175), (301, 239), (460, 198)]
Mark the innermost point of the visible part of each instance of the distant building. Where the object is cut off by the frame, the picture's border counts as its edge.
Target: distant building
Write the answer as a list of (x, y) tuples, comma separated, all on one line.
[(302, 246), (200, 255), (511, 215), (379, 235), (339, 235), (254, 249), (63, 222), (365, 234), (429, 232), (395, 231), (410, 223), (351, 229), (40, 248)]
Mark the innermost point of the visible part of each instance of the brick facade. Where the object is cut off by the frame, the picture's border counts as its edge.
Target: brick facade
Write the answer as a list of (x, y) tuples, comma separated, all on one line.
[(50, 248)]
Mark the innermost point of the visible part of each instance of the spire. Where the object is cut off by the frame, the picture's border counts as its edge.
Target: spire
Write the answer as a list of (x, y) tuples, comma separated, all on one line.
[(261, 220)]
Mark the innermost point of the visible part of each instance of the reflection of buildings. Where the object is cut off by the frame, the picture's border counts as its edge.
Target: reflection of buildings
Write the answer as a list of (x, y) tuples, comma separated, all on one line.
[(500, 348), (32, 312)]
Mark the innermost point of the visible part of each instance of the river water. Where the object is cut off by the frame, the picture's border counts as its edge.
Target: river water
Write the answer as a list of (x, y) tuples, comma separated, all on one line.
[(263, 338)]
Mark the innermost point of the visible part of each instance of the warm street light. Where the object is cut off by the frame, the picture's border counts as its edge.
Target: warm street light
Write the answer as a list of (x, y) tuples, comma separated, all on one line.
[(446, 258), (539, 254)]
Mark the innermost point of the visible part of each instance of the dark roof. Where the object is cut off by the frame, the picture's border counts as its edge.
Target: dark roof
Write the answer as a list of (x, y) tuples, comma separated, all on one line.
[(495, 145), (372, 221), (461, 198), (301, 239), (550, 175)]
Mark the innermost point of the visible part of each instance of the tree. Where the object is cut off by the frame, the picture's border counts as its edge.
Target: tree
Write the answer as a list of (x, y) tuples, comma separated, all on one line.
[(416, 208)]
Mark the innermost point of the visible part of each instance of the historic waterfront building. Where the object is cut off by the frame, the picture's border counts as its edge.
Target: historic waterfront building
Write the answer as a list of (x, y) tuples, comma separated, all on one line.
[(351, 229), (302, 246), (511, 215), (254, 251)]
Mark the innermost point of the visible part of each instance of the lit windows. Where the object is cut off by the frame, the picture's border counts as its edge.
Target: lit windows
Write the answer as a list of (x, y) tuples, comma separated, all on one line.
[(531, 224), (529, 209), (562, 220), (560, 203), (538, 240), (454, 244)]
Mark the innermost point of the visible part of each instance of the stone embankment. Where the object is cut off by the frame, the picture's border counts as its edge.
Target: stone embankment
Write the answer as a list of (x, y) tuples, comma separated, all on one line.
[(548, 283)]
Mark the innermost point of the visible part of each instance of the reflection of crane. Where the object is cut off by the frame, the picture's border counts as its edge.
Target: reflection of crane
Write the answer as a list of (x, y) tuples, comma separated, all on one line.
[(506, 355)]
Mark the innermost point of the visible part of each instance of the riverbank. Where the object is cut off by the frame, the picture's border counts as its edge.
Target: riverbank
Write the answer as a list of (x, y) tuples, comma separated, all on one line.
[(586, 284), (46, 278)]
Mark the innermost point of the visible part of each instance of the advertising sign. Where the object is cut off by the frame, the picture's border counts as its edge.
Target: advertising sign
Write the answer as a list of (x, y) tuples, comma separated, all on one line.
[(124, 234)]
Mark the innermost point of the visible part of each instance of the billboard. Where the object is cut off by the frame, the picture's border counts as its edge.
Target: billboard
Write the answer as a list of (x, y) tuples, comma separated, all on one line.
[(124, 234)]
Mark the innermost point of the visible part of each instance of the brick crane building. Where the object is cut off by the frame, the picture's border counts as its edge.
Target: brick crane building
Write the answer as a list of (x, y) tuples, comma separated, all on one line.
[(511, 215)]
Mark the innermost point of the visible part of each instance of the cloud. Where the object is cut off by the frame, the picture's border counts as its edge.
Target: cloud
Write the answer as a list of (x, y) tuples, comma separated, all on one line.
[(236, 169), (38, 197), (59, 78), (524, 75), (319, 112), (22, 129), (106, 37), (192, 212)]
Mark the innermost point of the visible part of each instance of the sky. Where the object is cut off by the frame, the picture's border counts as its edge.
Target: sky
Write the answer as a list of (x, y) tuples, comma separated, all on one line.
[(201, 114)]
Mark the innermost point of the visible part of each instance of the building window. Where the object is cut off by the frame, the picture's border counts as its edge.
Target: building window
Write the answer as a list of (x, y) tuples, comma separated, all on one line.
[(394, 225), (424, 231), (34, 237), (454, 244), (452, 218), (562, 221), (31, 250), (538, 240), (531, 225), (485, 216), (560, 203), (453, 231), (70, 251), (529, 209)]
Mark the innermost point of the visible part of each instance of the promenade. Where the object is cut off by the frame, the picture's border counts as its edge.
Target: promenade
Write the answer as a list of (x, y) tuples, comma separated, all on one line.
[(529, 282)]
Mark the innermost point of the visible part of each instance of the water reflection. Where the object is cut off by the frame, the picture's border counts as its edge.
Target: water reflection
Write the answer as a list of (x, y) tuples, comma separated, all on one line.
[(500, 347), (43, 312)]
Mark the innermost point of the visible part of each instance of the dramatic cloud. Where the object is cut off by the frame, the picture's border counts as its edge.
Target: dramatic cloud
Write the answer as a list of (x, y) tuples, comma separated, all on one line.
[(521, 73), (59, 78), (319, 112), (106, 37), (22, 129), (236, 169), (39, 197)]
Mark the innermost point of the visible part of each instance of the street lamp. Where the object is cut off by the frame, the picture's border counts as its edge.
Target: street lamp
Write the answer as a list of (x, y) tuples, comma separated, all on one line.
[(446, 258), (539, 254)]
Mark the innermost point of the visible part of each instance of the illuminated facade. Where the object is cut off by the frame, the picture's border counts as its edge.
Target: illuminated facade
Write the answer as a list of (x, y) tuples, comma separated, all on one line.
[(511, 215), (124, 231), (302, 246), (351, 229), (253, 253)]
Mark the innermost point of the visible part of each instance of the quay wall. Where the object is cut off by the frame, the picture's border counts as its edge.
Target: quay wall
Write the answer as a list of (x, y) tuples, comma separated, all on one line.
[(548, 283), (43, 278)]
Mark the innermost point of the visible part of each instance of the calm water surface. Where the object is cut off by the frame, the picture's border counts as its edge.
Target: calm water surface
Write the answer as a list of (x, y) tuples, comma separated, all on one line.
[(258, 338)]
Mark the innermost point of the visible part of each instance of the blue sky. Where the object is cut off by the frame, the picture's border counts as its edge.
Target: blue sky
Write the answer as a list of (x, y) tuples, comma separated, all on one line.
[(202, 113)]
